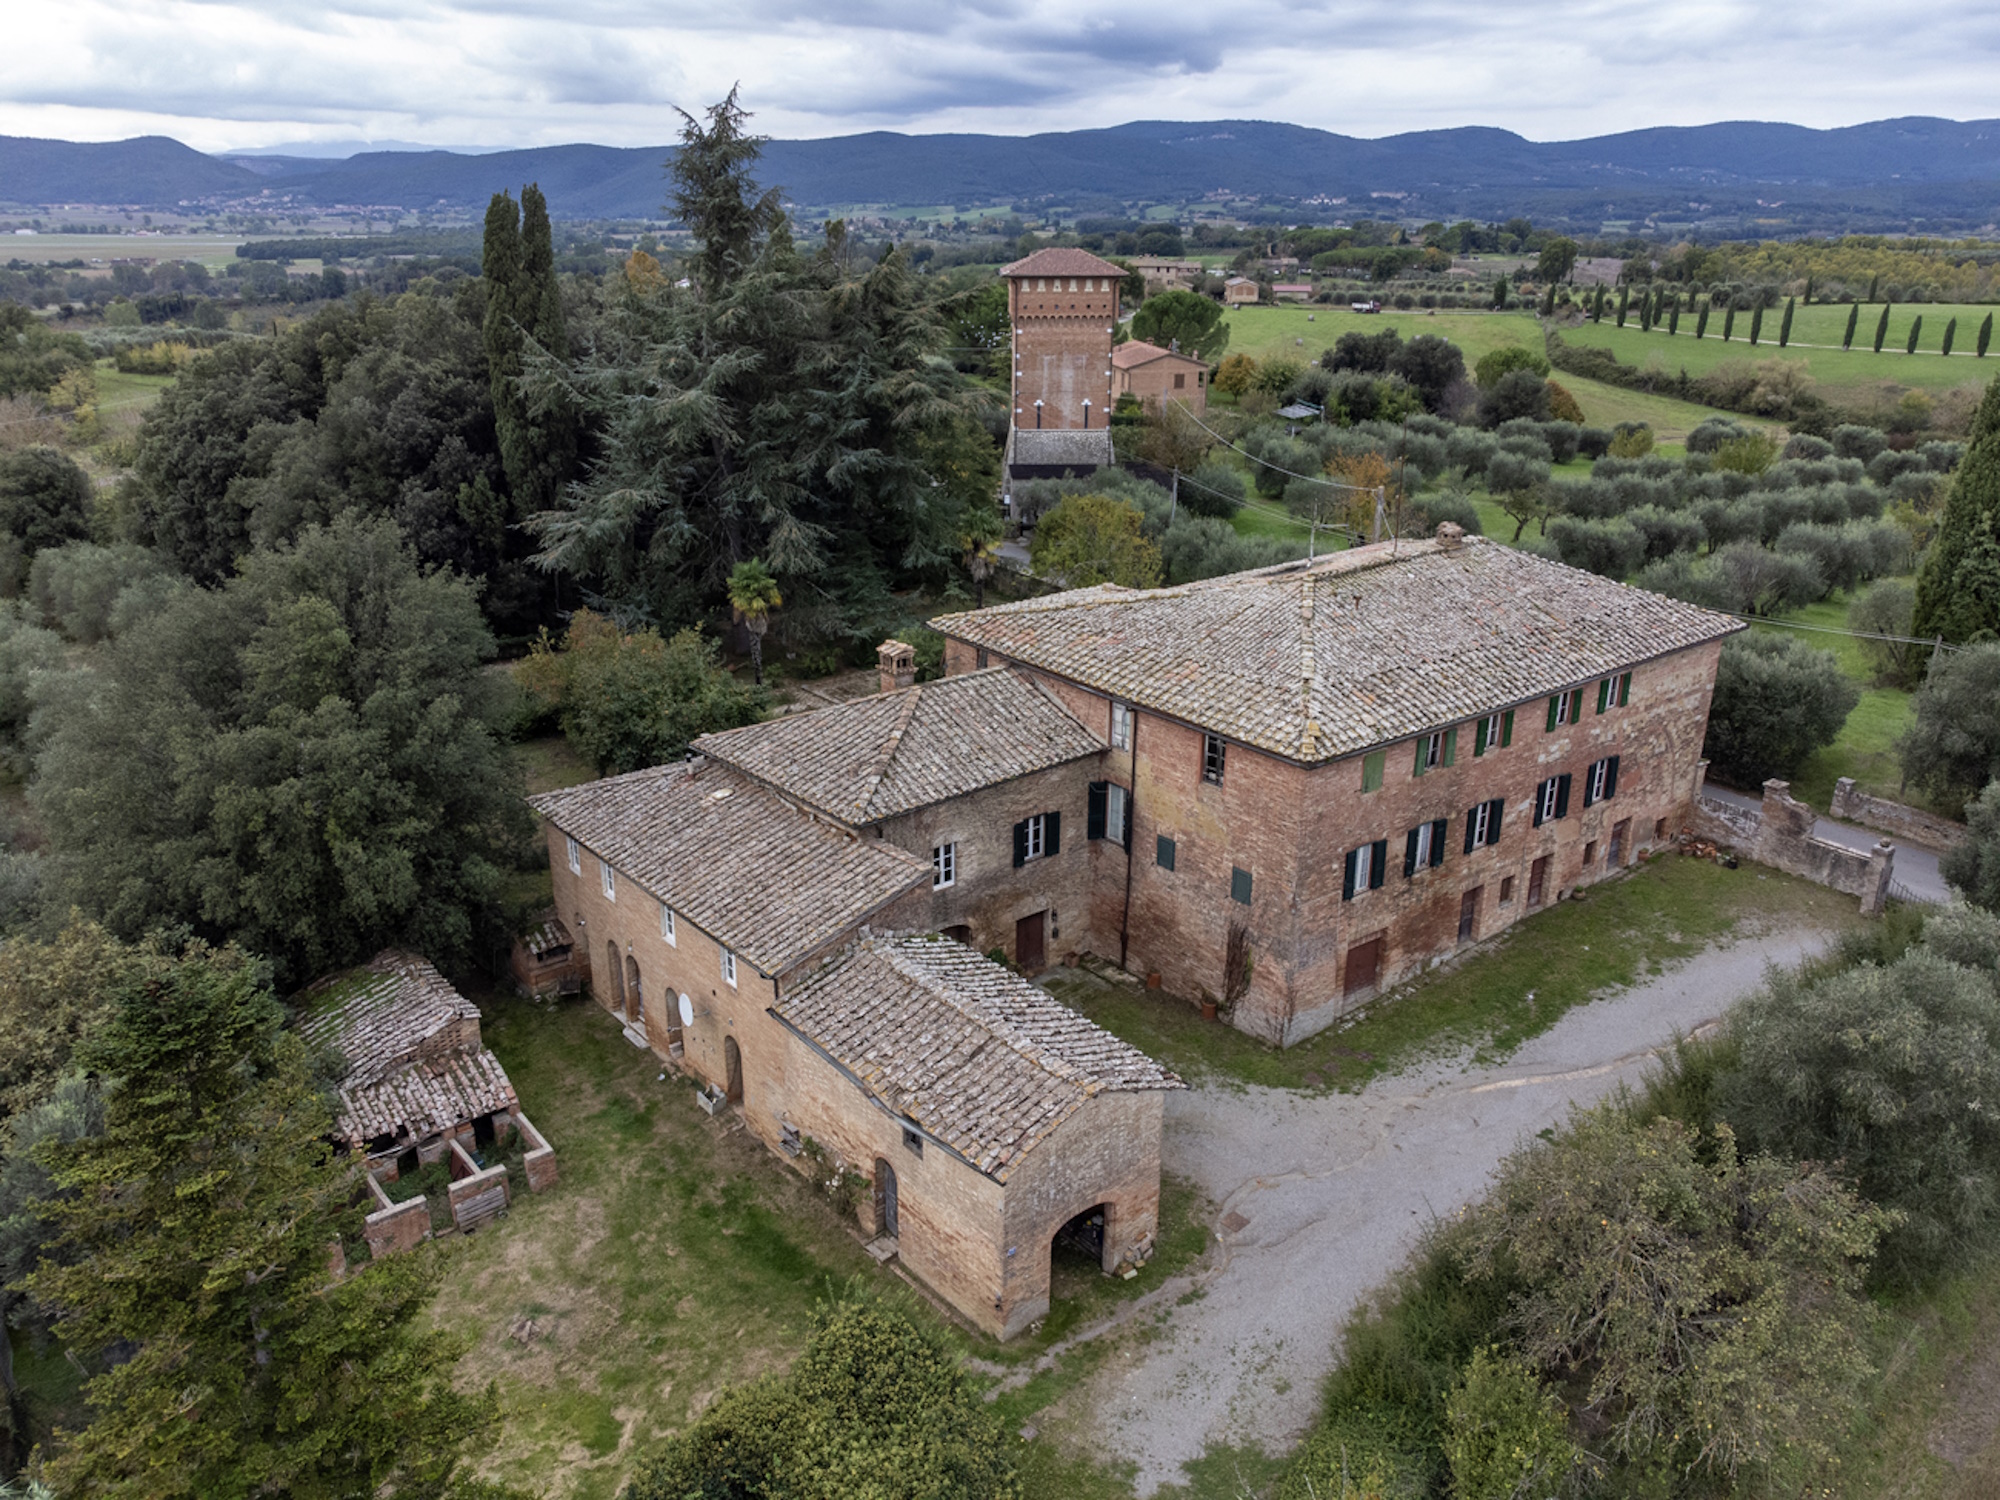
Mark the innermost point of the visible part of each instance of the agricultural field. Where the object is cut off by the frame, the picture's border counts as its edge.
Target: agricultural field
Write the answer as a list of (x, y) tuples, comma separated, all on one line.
[(1306, 332), (212, 250), (1815, 343)]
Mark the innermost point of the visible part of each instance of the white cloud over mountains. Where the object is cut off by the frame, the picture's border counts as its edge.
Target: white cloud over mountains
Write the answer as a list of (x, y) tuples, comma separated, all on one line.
[(219, 73)]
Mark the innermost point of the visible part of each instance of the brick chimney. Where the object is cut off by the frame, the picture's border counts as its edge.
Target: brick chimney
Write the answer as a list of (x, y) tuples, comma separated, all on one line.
[(897, 661), (1450, 536)]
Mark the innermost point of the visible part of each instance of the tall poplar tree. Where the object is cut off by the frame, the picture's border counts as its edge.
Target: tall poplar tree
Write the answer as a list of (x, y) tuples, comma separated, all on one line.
[(1882, 328), (524, 313), (1674, 319), (1916, 328), (1958, 590), (1785, 327), (1729, 321), (1701, 323), (500, 263), (1624, 301), (1985, 337), (1853, 323), (1950, 333), (1756, 324)]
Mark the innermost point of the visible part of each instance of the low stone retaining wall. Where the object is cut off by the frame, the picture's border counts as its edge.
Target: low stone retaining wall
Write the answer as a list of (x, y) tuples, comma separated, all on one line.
[(538, 1164), (476, 1196), (1908, 823), (1780, 834), (395, 1227)]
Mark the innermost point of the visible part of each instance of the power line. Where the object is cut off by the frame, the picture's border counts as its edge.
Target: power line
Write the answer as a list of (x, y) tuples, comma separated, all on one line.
[(1859, 635), (1362, 489)]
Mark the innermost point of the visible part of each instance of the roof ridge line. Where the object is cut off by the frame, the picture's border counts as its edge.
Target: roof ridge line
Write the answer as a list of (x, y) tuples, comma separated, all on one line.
[(1309, 737), (872, 783)]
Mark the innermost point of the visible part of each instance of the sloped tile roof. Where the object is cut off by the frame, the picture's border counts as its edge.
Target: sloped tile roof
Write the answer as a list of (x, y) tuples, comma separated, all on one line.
[(981, 1059), (1074, 447), (425, 1099), (378, 1015), (760, 875), (875, 757), (1061, 260), (1135, 352), (1358, 649)]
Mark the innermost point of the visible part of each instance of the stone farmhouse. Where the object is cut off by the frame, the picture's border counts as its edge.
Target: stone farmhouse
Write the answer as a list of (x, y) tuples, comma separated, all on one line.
[(1157, 375), (1345, 769)]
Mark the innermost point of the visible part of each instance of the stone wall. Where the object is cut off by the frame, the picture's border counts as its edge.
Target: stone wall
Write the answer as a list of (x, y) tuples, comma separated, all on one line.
[(1910, 824), (395, 1227), (1780, 834), (477, 1195), (538, 1163)]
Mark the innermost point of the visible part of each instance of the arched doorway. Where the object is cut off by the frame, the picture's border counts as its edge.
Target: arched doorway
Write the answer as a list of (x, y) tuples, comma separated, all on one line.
[(614, 978), (732, 1061), (635, 1005), (886, 1219)]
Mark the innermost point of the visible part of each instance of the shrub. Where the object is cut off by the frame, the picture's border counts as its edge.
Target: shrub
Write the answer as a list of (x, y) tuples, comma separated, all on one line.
[(1508, 472), (1205, 547), (1665, 532), (1518, 393), (1091, 539), (1972, 865), (1631, 440), (1504, 361), (1368, 352), (1804, 445), (1560, 434), (1235, 374), (1424, 513), (1470, 450), (1681, 577), (1524, 436), (1851, 440), (1506, 1435), (1713, 432), (1777, 700), (1613, 548), (1751, 453), (1763, 582), (1214, 482), (1952, 747), (1885, 611), (1593, 442), (1276, 376), (1563, 407)]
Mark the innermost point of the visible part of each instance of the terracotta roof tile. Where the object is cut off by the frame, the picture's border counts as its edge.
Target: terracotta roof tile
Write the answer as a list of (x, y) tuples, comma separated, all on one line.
[(1359, 649), (1135, 352), (876, 757), (757, 873), (984, 1061), (1061, 260)]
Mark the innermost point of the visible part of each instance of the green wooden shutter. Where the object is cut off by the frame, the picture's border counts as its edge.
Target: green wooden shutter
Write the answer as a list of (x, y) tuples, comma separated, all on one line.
[(1541, 796), (1423, 743), (1603, 693), (1163, 853), (1611, 779), (1576, 706), (1479, 739), (1562, 796), (1439, 828), (1094, 816), (1347, 879), (1372, 766), (1239, 886), (1625, 690), (1507, 728), (1410, 854), (1552, 712), (1020, 843), (1471, 827), (1053, 845), (1451, 745), (1378, 866), (1497, 806)]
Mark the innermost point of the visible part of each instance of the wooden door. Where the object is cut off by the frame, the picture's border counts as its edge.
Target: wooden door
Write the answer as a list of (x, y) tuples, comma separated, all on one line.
[(732, 1061), (1468, 913), (1620, 832), (1030, 955), (614, 979), (1538, 879), (1364, 963), (635, 1006), (887, 1220)]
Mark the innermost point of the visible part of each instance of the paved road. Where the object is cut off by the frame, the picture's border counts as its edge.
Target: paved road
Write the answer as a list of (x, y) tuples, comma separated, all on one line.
[(1916, 868), (1332, 1192)]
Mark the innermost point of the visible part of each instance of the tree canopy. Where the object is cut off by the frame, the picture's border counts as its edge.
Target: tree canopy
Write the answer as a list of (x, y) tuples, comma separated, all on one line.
[(1958, 589), (1193, 320), (1776, 701), (1952, 747), (1091, 539)]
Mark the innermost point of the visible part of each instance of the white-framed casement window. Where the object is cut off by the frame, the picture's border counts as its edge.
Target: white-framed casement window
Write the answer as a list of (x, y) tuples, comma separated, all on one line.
[(1420, 851), (1434, 750), (1117, 805), (1038, 835), (944, 866), (610, 880), (1213, 753), (1561, 706), (728, 967), (668, 931), (1547, 794), (575, 857), (1364, 867), (1121, 726), (1600, 781)]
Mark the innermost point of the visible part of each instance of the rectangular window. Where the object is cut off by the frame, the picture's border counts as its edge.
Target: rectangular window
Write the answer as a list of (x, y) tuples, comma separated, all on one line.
[(667, 928), (1164, 853), (1372, 767), (1038, 835), (1600, 782), (728, 967), (575, 857), (944, 866), (1239, 886), (609, 881), (1506, 889), (1365, 869), (1430, 752), (1494, 732), (1121, 726), (1117, 825), (1180, 382), (1590, 854), (1565, 708), (1212, 752), (1482, 824), (1423, 847), (1614, 691), (1552, 800), (912, 1142)]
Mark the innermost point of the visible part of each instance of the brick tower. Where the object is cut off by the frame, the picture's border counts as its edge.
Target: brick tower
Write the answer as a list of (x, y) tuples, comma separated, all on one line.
[(1063, 304)]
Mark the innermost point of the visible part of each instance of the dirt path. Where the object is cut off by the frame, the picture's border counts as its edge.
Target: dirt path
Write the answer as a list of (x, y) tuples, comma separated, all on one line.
[(1321, 1197)]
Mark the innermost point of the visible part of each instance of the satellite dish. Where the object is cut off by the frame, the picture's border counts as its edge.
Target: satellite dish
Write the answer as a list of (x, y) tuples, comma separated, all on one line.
[(687, 1011)]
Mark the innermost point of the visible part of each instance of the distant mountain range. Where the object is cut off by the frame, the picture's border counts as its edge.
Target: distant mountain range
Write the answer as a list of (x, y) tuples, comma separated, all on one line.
[(1914, 172)]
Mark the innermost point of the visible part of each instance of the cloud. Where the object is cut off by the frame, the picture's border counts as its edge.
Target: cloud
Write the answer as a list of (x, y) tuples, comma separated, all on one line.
[(531, 72)]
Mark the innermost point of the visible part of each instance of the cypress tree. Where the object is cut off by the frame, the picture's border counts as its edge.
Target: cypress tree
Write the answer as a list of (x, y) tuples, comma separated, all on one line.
[(1701, 323), (1853, 322), (1985, 336), (500, 264), (1549, 300), (1950, 333), (1645, 312), (1874, 282), (552, 436), (1729, 321), (1597, 307), (1916, 327), (1624, 301), (1674, 318), (1958, 590), (1785, 327), (1756, 324), (1807, 299), (1882, 328)]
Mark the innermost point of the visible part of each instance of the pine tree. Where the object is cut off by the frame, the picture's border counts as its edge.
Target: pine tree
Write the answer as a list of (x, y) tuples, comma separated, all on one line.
[(1756, 324), (1701, 323), (1958, 590), (1950, 333), (1674, 318), (1916, 327), (1985, 337), (1853, 322), (1624, 301), (1729, 321), (1882, 328), (1785, 327)]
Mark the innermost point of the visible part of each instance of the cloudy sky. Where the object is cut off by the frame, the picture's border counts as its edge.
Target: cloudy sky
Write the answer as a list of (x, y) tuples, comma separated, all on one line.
[(247, 73)]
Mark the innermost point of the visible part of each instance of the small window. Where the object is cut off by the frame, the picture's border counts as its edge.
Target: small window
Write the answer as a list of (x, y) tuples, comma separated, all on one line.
[(1164, 853), (1365, 869), (912, 1142), (1371, 770), (575, 857), (1562, 709), (944, 866), (1614, 691), (1121, 726), (1482, 824), (1430, 752), (1506, 889), (1212, 753), (1421, 845), (609, 880), (1239, 886), (1494, 732), (728, 967), (1552, 800), (1038, 835), (668, 930), (1180, 382), (1117, 802), (1600, 782), (1590, 854)]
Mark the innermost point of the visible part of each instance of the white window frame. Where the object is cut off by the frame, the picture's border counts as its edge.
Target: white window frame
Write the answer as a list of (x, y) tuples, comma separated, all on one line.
[(1364, 860), (1546, 795), (1037, 837), (1482, 821), (1564, 701), (1600, 773), (669, 929), (1424, 831), (575, 857), (1117, 810), (607, 878), (1434, 750), (1495, 725), (729, 968), (1121, 725), (944, 865)]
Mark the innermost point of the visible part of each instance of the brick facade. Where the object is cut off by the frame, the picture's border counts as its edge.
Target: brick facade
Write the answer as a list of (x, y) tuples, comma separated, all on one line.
[(1062, 306), (1157, 376)]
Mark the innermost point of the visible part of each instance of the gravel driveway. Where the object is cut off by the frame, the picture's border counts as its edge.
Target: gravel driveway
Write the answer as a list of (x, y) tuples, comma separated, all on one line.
[(1321, 1197)]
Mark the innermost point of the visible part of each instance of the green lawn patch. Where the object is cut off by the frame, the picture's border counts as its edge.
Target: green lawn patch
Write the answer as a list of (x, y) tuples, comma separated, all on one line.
[(1500, 995), (549, 764)]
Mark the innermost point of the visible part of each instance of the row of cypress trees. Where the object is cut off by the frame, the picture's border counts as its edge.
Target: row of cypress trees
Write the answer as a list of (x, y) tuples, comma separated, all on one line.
[(1665, 307)]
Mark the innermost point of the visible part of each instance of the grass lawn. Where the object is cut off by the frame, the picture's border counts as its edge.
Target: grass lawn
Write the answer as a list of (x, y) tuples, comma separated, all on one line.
[(677, 1256), (1305, 332), (117, 391), (1830, 366), (1505, 992), (549, 764)]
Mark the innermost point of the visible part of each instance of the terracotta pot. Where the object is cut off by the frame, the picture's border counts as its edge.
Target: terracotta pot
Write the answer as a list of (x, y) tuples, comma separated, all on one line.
[(1208, 1011), (1152, 981)]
